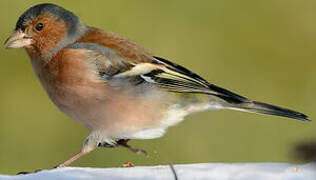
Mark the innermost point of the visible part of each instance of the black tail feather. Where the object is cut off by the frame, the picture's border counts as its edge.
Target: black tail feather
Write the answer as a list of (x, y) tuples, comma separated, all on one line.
[(263, 108)]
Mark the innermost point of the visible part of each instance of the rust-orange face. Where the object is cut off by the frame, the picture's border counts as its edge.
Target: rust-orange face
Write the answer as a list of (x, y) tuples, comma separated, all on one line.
[(44, 27), (42, 34)]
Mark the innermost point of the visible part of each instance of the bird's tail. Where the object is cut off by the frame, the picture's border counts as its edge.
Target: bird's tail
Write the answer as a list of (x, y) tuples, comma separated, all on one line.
[(263, 108), (240, 103)]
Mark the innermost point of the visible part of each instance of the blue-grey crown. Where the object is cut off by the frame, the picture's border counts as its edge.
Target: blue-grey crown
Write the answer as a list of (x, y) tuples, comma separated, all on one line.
[(56, 11)]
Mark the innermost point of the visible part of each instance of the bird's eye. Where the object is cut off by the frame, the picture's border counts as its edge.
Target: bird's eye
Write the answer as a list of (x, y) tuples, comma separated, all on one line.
[(39, 26)]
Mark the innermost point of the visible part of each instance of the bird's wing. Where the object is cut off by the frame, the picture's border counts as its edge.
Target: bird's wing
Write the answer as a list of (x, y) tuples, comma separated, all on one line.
[(117, 57), (175, 78), (111, 65)]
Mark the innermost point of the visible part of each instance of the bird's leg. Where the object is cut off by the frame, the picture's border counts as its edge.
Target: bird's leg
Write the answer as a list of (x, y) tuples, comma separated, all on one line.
[(89, 145), (123, 143), (66, 163), (70, 160)]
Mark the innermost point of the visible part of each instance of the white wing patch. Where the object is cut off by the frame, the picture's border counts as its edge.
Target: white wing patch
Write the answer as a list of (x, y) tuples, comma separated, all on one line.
[(148, 79), (139, 69)]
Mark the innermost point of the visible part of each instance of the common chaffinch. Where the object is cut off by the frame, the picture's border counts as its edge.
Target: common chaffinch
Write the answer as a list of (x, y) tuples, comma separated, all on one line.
[(114, 87)]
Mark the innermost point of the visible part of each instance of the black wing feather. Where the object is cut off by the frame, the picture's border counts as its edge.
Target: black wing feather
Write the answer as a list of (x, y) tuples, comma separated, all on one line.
[(220, 92)]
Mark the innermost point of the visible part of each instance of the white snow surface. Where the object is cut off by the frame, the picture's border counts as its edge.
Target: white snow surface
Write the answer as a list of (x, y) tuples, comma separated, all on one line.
[(212, 171)]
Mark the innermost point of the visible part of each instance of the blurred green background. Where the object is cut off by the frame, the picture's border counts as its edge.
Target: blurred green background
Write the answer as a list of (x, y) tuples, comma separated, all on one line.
[(262, 49)]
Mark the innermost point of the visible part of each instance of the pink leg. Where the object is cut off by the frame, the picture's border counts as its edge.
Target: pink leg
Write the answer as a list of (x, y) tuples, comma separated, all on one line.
[(70, 160)]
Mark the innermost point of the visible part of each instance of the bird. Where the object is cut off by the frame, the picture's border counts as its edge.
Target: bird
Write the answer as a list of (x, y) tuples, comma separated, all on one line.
[(115, 88)]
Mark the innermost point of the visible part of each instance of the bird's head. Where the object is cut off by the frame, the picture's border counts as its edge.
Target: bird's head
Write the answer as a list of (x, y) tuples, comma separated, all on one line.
[(45, 28)]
